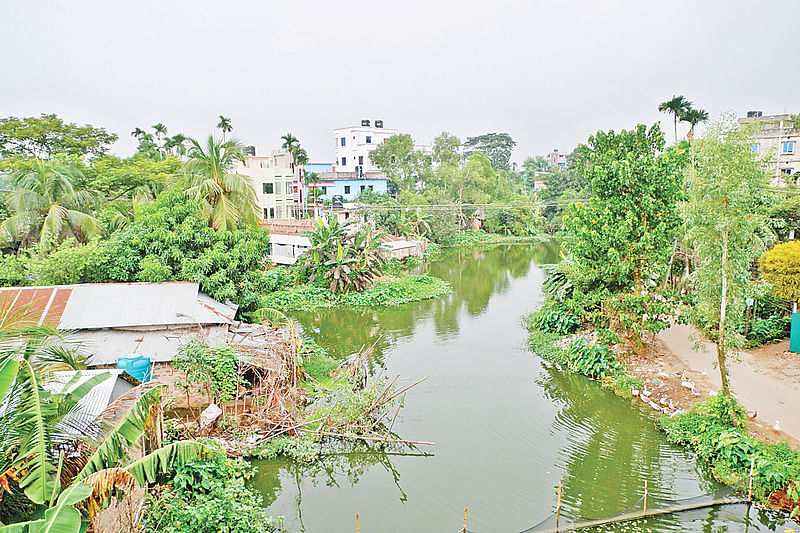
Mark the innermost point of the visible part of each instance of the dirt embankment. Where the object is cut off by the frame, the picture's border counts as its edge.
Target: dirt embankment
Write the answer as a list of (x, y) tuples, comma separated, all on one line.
[(766, 381)]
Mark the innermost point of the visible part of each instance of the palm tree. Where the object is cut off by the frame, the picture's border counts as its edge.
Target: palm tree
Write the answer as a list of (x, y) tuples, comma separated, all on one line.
[(161, 130), (137, 133), (694, 117), (208, 176), (225, 126), (676, 107), (290, 142), (45, 202)]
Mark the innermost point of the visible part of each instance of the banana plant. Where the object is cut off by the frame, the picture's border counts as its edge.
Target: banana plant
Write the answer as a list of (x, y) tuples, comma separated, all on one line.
[(33, 416)]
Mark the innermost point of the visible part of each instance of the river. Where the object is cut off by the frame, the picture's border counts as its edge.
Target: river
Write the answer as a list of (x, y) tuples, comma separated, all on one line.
[(508, 426)]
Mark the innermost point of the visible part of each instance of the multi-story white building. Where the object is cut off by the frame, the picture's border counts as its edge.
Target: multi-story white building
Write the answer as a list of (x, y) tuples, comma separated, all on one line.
[(778, 140), (354, 144), (273, 180)]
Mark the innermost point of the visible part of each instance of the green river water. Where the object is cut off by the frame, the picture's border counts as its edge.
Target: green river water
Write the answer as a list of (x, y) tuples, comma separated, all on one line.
[(507, 425)]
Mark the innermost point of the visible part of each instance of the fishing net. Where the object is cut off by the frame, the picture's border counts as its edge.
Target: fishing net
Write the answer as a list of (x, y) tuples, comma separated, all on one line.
[(655, 506)]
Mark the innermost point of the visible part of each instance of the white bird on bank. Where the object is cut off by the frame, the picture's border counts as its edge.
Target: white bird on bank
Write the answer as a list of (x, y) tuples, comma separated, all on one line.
[(777, 426)]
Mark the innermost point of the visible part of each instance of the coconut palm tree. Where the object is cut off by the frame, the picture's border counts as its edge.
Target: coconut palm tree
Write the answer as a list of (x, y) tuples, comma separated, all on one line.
[(208, 175), (694, 117), (290, 142), (46, 203), (225, 126), (676, 107), (137, 133)]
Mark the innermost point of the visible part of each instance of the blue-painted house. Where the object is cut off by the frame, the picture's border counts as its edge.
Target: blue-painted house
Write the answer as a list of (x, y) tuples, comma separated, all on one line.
[(348, 184)]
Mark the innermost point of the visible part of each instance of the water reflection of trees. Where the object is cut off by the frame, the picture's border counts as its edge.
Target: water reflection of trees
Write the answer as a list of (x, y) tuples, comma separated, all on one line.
[(601, 454), (348, 465), (475, 276)]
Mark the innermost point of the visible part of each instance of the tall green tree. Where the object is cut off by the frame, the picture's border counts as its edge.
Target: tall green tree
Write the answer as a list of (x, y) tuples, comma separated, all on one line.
[(208, 175), (496, 146), (46, 136), (676, 107), (626, 230), (726, 225), (694, 117), (404, 166), (46, 203), (446, 149)]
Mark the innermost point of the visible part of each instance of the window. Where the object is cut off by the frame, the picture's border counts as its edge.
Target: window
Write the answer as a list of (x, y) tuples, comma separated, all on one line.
[(371, 188), (344, 161), (268, 188), (787, 147), (271, 212), (787, 171), (347, 189), (369, 139), (278, 188), (754, 148), (344, 141), (266, 213), (324, 190), (362, 188), (361, 160)]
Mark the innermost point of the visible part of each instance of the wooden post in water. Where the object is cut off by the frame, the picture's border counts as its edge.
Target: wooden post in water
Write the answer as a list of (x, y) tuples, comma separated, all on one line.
[(558, 505), (645, 497), (357, 525), (750, 482), (465, 520)]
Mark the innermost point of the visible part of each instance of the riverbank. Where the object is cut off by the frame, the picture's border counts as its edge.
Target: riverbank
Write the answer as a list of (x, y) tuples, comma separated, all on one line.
[(764, 380), (690, 412)]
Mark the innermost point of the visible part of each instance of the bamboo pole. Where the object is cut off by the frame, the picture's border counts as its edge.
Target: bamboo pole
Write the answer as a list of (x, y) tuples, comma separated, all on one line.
[(465, 521), (750, 482), (558, 505), (645, 497), (357, 525), (365, 437)]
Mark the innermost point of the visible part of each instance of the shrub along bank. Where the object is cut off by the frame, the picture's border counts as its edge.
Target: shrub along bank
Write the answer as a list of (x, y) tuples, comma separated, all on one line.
[(409, 288)]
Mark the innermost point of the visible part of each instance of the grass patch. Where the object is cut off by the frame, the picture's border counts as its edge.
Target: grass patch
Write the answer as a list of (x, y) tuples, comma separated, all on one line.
[(472, 237), (409, 288)]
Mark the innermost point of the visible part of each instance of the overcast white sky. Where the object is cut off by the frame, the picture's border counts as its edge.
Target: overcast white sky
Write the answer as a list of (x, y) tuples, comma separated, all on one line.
[(548, 72)]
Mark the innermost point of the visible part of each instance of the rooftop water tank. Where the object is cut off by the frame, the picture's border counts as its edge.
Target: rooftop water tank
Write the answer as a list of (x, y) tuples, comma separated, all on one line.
[(364, 122), (378, 123), (250, 150)]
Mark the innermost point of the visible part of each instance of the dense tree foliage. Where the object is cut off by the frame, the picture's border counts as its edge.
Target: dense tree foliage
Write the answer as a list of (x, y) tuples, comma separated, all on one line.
[(496, 146), (626, 230), (46, 136)]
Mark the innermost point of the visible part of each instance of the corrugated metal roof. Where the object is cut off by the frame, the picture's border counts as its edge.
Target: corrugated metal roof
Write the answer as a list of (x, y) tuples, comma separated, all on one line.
[(107, 345), (116, 305), (96, 400)]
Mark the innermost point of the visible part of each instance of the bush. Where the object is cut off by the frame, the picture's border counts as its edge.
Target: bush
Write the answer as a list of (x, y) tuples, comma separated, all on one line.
[(209, 497), (544, 345), (300, 448), (708, 427), (592, 359), (766, 330), (555, 318), (212, 369)]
